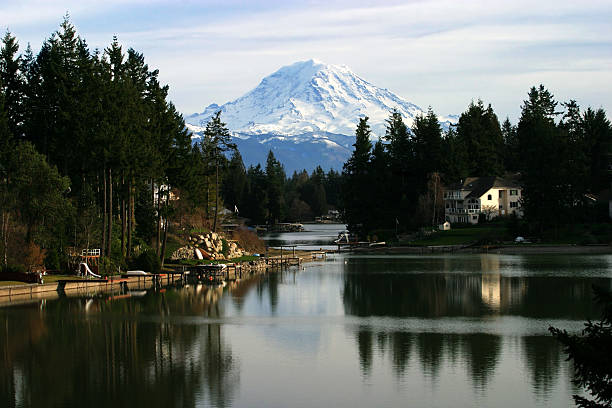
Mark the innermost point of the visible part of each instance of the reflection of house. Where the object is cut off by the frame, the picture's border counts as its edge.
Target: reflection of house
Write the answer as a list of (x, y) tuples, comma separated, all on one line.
[(490, 289), (489, 196)]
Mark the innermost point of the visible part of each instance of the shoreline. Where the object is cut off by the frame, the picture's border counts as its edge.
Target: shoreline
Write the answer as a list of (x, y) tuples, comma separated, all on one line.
[(11, 295), (493, 249)]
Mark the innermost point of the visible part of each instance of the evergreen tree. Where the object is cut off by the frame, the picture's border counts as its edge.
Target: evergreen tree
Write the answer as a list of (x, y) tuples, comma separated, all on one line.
[(219, 139), (235, 182), (378, 191), (405, 182), (427, 142), (544, 185), (275, 180), (12, 80), (597, 134), (590, 354), (355, 194), (332, 188), (7, 199), (478, 129), (456, 161), (512, 154), (257, 198)]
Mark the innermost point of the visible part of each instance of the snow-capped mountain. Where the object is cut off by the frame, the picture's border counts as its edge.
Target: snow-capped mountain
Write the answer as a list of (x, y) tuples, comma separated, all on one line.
[(306, 103)]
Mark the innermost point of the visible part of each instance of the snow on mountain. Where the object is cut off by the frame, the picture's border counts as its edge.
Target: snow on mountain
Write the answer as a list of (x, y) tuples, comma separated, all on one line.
[(308, 102), (310, 96)]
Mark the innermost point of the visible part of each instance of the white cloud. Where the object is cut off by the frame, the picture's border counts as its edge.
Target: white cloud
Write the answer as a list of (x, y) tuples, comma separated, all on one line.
[(441, 53)]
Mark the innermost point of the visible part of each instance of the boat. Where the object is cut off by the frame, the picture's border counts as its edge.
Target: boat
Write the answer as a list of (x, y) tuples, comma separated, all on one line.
[(136, 273)]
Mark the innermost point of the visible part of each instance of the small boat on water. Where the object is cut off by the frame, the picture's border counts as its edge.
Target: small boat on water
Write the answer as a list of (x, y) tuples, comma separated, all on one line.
[(136, 273)]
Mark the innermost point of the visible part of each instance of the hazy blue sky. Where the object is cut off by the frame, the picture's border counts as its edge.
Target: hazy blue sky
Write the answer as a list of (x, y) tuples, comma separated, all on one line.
[(442, 53)]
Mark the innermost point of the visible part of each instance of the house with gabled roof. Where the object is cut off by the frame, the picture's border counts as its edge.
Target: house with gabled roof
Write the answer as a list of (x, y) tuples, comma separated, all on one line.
[(490, 197)]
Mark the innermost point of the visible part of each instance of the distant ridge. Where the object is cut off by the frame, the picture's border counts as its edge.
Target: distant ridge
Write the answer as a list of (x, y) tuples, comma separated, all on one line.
[(307, 103)]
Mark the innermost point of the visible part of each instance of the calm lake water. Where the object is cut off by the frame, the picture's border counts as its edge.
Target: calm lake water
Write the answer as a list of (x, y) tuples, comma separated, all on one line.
[(351, 331), (313, 238)]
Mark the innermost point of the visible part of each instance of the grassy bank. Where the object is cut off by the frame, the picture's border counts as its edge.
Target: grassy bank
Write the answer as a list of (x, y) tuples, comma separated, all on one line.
[(501, 232), (465, 236)]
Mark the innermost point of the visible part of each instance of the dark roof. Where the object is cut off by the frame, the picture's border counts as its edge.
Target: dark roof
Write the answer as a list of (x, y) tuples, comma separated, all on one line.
[(480, 185)]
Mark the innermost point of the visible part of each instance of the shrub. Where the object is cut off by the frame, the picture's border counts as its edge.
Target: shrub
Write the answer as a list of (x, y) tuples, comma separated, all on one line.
[(590, 353), (18, 268), (147, 261), (52, 260), (249, 240), (224, 247), (34, 255)]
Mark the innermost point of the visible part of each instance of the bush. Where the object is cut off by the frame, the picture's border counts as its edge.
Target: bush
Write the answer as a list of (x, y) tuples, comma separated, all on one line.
[(249, 240), (13, 269), (590, 353), (224, 247), (382, 235), (52, 260), (147, 261)]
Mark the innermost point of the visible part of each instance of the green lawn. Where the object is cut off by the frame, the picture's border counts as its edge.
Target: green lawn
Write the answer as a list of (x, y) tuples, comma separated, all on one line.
[(464, 236), (11, 283), (55, 278)]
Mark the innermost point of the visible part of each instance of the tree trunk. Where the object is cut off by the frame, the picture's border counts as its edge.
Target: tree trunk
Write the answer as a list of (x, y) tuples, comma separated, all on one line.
[(104, 214), (166, 226), (207, 209), (158, 236), (129, 220), (123, 214), (110, 212), (5, 230), (216, 194), (435, 198)]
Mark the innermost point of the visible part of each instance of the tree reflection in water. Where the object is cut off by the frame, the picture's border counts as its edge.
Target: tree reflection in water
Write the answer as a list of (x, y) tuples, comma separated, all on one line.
[(543, 360), (90, 352), (446, 287)]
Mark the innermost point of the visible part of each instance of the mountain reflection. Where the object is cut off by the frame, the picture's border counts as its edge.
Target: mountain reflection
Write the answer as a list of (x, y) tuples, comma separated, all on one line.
[(90, 352)]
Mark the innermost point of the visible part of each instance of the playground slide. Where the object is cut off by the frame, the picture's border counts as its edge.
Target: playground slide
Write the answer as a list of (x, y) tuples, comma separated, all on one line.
[(87, 271)]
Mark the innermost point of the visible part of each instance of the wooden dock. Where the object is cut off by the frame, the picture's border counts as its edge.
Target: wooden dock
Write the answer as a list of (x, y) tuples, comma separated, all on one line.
[(26, 293)]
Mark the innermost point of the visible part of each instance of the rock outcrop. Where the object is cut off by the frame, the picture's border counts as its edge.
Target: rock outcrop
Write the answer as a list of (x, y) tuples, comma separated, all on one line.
[(209, 246)]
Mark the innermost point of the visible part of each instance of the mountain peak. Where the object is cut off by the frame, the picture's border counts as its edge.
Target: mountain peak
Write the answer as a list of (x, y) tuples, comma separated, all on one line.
[(311, 96), (306, 113)]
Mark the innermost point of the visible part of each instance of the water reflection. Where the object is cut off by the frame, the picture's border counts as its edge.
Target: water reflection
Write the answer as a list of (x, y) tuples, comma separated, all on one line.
[(543, 357), (314, 237), (479, 354), (87, 352), (383, 291), (474, 288), (349, 331)]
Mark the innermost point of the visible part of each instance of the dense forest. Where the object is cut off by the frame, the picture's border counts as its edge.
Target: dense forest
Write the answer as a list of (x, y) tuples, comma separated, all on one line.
[(558, 153), (94, 155)]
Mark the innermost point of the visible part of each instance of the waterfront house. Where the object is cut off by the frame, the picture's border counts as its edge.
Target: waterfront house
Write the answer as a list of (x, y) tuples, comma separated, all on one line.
[(476, 197)]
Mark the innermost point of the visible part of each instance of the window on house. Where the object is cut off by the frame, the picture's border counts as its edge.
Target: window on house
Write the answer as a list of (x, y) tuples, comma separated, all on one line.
[(489, 197), (501, 206), (501, 193), (474, 217), (513, 192), (514, 204)]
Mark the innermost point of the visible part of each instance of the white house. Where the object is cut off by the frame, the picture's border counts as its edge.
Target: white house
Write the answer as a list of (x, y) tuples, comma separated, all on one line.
[(491, 196)]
